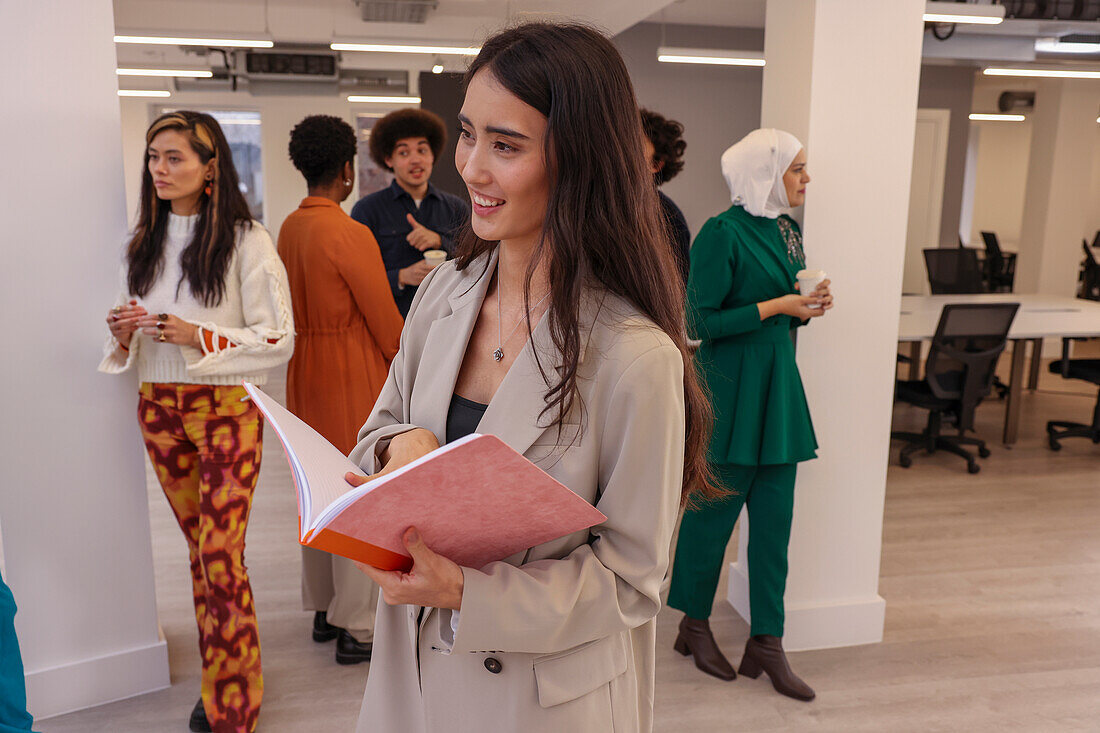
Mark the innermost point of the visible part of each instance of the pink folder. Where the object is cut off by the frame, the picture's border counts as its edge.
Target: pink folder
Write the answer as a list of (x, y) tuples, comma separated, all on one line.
[(474, 501)]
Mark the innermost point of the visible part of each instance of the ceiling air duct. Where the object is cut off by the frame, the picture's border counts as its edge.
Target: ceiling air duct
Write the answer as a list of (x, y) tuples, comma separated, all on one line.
[(1016, 102), (396, 11), (1064, 10)]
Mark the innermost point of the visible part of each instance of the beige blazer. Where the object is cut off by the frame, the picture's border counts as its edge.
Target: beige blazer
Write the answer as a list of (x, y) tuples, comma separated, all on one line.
[(560, 637)]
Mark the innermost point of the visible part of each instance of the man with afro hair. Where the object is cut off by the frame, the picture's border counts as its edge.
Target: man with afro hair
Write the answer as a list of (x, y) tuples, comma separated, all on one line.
[(411, 216)]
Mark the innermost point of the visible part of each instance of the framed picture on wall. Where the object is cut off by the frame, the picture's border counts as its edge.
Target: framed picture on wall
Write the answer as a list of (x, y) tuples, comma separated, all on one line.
[(371, 176)]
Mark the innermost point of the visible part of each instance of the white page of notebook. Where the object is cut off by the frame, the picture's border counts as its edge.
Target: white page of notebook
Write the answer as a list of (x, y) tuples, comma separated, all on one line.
[(318, 466)]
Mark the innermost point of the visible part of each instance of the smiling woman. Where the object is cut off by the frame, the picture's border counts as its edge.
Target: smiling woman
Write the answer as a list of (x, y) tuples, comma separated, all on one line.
[(559, 328)]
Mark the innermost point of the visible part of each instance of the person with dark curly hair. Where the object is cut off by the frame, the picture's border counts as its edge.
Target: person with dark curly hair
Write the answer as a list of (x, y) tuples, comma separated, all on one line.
[(348, 332), (664, 149), (411, 216)]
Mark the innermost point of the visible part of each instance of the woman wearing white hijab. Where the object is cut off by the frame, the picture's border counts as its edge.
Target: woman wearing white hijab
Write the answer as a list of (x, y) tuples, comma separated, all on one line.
[(743, 303)]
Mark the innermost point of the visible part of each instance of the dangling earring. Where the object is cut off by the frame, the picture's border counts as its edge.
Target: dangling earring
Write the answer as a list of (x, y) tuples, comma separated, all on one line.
[(208, 188)]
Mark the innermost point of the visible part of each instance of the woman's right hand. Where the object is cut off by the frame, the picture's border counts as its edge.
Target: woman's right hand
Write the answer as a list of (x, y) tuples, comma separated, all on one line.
[(123, 319), (402, 450)]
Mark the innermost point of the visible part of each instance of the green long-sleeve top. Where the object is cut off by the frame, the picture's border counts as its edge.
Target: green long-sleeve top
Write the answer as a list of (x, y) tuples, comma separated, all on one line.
[(760, 411)]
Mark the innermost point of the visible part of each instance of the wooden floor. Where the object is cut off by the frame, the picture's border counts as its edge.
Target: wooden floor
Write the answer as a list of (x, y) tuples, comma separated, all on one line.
[(992, 588)]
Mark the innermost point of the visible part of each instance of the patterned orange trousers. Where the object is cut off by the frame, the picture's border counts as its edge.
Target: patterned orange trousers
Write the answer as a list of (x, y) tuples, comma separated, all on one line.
[(205, 443)]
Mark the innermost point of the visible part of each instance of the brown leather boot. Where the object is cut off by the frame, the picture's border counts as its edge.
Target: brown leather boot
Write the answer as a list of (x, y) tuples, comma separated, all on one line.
[(764, 653), (695, 639)]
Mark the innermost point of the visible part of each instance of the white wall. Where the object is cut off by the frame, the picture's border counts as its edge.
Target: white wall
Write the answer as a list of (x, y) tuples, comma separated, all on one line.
[(284, 186), (1004, 153), (717, 106), (72, 481), (1058, 201)]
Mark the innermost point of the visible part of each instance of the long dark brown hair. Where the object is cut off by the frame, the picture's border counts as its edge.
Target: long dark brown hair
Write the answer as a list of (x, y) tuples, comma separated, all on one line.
[(205, 260), (602, 223)]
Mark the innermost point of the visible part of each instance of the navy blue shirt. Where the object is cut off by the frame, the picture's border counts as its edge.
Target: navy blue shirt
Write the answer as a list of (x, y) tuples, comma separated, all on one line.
[(384, 213), (679, 232)]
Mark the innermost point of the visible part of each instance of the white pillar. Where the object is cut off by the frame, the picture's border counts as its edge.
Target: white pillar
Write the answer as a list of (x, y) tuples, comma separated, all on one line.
[(1058, 206), (970, 183), (843, 77), (72, 482)]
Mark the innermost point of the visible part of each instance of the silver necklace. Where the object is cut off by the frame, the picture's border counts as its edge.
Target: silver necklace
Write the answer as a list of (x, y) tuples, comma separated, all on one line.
[(499, 353)]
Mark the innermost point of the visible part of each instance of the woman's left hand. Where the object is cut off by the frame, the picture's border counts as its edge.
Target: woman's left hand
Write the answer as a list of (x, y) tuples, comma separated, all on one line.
[(433, 581), (166, 328), (822, 292)]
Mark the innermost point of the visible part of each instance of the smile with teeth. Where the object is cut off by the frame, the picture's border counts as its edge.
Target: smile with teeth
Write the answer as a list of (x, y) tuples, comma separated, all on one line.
[(486, 201)]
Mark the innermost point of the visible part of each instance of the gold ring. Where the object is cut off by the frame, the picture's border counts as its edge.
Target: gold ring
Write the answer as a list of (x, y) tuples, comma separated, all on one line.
[(162, 316), (162, 337), (117, 309)]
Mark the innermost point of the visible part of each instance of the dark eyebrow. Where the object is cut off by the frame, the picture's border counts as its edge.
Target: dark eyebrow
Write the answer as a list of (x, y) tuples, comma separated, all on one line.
[(507, 132), (154, 150)]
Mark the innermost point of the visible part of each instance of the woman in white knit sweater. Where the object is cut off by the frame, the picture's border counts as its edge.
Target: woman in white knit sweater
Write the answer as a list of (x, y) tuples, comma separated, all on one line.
[(204, 305)]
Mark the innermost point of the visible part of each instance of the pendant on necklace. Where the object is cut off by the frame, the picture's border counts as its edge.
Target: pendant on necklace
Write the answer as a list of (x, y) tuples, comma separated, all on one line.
[(498, 354)]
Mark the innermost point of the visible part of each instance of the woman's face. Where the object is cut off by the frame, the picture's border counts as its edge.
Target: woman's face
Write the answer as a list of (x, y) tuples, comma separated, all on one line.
[(177, 170), (795, 180), (500, 156)]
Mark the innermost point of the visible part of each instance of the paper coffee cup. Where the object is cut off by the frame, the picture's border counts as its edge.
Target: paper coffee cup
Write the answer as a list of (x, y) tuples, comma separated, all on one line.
[(435, 257), (808, 280)]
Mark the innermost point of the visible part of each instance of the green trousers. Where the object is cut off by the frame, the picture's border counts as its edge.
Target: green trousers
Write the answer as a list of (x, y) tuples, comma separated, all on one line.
[(704, 533)]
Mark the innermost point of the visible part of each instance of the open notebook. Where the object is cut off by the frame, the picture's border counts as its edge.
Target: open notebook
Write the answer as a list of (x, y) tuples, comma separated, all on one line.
[(474, 501)]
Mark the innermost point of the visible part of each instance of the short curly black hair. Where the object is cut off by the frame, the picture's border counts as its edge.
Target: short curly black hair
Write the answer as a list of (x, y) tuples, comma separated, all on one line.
[(319, 147), (406, 123), (668, 144)]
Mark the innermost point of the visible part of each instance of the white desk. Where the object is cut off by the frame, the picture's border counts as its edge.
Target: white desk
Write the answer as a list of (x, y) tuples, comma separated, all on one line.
[(1039, 317)]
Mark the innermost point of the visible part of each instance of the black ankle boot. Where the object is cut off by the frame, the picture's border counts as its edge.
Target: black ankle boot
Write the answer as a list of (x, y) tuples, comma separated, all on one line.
[(322, 629), (696, 639), (350, 651), (198, 721), (764, 653)]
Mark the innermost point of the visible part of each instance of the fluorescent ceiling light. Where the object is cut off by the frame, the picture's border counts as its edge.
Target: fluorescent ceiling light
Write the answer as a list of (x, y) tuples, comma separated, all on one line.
[(215, 42), (949, 12), (976, 117), (1053, 45), (437, 69), (402, 48), (711, 56), (383, 100), (143, 93), (192, 73), (1045, 73)]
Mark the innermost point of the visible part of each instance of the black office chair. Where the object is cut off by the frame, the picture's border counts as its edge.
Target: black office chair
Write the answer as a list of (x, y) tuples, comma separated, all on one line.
[(1000, 267), (1089, 371), (957, 375), (1088, 282), (953, 270)]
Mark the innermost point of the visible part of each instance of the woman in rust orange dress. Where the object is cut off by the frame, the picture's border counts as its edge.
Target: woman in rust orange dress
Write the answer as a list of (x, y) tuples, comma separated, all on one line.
[(348, 332)]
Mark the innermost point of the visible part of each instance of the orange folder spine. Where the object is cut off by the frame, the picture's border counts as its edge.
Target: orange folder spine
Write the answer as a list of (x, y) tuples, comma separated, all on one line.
[(341, 544)]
